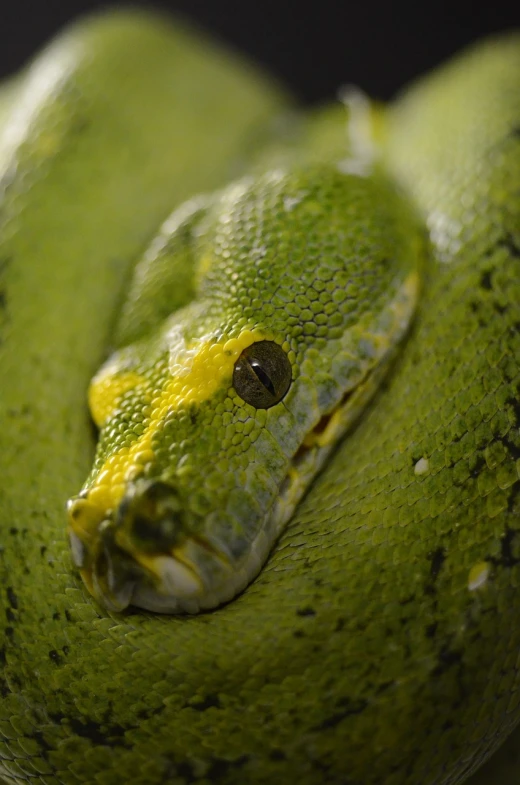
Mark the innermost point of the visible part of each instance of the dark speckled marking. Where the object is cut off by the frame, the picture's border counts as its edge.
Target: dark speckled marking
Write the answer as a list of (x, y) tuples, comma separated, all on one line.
[(218, 769), (12, 598), (477, 466), (511, 245), (431, 629), (385, 686), (144, 714), (106, 734), (507, 556), (485, 280), (4, 688), (514, 403), (43, 744), (55, 657), (92, 730), (306, 612), (347, 707), (437, 560), (210, 701), (183, 769), (513, 497), (512, 448), (447, 659)]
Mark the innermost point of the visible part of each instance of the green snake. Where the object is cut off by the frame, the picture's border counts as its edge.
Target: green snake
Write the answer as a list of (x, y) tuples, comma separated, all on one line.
[(296, 556)]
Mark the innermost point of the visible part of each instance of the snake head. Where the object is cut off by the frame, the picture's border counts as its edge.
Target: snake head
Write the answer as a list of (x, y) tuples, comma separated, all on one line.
[(212, 427)]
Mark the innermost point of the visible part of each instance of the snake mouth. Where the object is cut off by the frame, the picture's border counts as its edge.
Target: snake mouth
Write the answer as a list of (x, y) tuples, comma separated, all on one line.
[(319, 442), (326, 432), (308, 460), (147, 554), (108, 573), (321, 439)]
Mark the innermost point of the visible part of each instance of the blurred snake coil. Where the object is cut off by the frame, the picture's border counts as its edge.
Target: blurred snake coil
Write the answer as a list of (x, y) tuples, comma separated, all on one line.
[(299, 543)]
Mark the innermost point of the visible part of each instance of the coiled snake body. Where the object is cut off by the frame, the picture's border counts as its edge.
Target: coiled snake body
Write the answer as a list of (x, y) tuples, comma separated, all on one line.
[(349, 304)]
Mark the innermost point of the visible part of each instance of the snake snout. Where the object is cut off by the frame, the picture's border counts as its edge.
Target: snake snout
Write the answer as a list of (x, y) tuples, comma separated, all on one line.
[(133, 547), (151, 550), (175, 568), (141, 555)]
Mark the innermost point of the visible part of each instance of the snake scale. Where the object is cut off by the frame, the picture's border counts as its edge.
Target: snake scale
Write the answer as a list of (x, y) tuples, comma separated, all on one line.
[(358, 279)]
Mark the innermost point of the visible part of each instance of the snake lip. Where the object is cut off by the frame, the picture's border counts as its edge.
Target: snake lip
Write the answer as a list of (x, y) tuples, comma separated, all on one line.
[(150, 553), (147, 551), (113, 572), (320, 440), (329, 427), (78, 550), (318, 434), (108, 572)]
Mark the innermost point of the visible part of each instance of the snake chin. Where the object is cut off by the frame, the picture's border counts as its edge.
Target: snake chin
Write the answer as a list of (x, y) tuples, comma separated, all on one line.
[(150, 553), (176, 587)]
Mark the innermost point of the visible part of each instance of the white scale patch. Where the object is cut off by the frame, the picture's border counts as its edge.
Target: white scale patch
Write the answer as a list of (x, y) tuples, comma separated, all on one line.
[(422, 467)]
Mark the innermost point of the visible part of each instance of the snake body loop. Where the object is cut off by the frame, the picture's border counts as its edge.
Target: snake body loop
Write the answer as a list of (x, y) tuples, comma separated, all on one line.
[(318, 364)]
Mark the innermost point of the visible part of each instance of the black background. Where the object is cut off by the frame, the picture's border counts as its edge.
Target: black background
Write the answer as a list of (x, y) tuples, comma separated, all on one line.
[(376, 44)]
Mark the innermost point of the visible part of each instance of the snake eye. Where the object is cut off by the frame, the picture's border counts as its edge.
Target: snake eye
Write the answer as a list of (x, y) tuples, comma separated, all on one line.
[(262, 374)]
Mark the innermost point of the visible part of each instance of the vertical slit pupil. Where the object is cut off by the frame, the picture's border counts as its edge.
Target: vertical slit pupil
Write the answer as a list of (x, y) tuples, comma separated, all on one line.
[(262, 376)]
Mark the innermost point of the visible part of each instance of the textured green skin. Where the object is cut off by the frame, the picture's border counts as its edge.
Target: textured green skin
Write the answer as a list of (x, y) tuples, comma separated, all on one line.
[(358, 656)]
